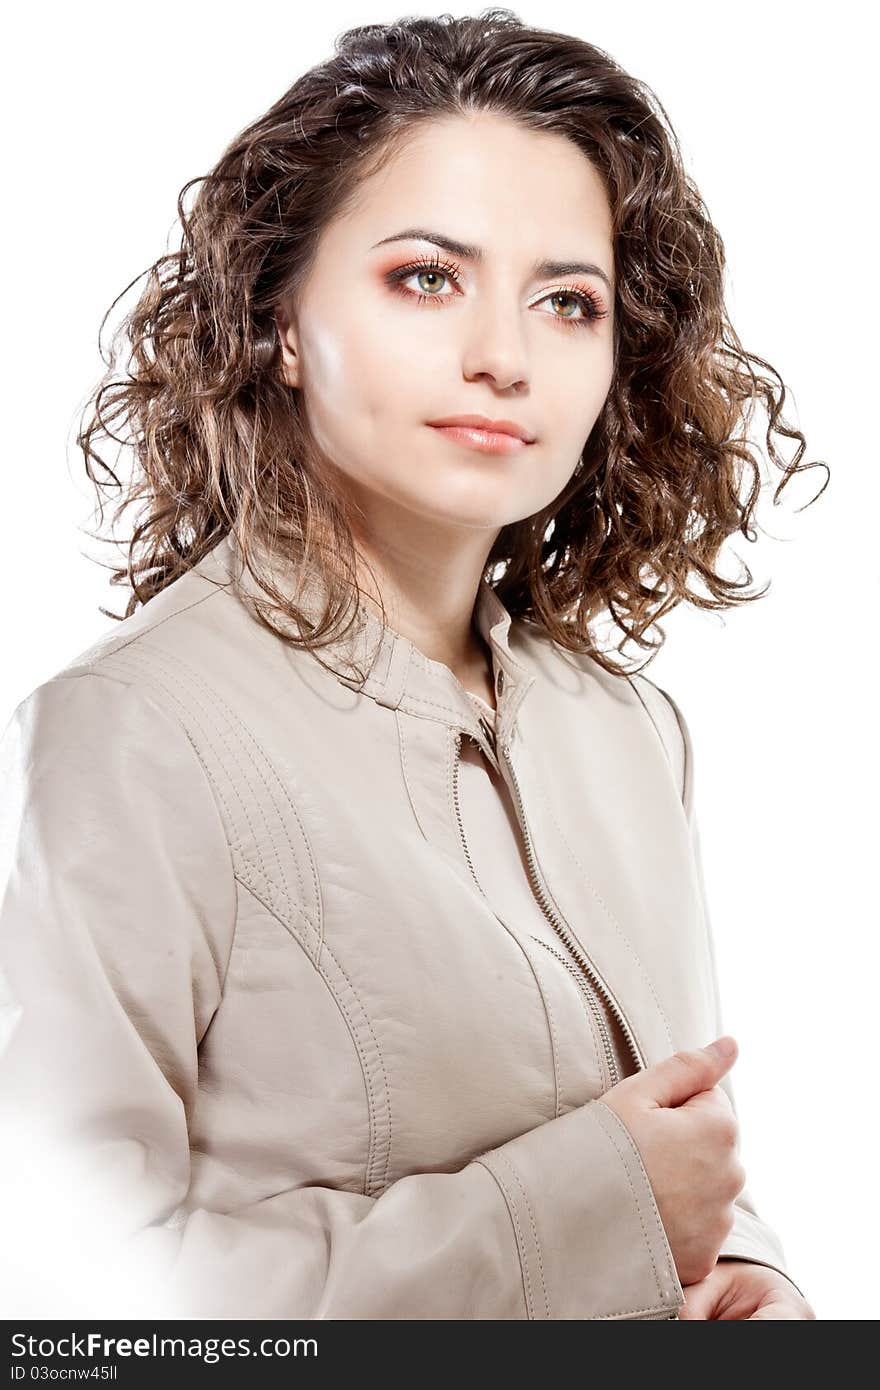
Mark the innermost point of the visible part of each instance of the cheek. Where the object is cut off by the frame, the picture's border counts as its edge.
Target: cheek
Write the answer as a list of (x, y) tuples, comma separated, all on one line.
[(328, 354), (357, 392), (572, 396), (359, 359)]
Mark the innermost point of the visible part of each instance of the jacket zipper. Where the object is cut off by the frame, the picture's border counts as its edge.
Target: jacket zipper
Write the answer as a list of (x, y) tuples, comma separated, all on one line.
[(586, 966), (590, 997), (467, 853)]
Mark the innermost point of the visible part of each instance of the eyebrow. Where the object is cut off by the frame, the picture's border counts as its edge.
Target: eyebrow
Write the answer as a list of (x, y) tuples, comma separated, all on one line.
[(541, 269)]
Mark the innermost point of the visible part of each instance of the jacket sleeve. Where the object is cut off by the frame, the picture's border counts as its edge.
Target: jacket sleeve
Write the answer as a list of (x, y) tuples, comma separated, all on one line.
[(117, 920), (751, 1237)]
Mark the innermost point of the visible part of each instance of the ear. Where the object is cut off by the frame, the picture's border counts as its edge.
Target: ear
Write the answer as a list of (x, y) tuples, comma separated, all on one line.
[(289, 351)]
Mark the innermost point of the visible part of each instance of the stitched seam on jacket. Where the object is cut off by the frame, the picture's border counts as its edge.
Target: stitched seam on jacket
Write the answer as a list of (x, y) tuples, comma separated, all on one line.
[(427, 665), (551, 1028), (571, 971), (597, 1317), (236, 724), (142, 670), (285, 917), (261, 753), (404, 771), (630, 1313), (372, 1107), (633, 1151), (427, 705), (291, 806), (175, 665), (501, 1157), (355, 1033), (518, 1236), (257, 887)]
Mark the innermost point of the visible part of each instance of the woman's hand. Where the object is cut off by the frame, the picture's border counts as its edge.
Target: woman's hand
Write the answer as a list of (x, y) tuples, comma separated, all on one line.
[(685, 1129), (742, 1289)]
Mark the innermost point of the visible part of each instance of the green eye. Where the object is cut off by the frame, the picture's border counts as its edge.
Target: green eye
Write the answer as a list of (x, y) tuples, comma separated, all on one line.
[(589, 302)]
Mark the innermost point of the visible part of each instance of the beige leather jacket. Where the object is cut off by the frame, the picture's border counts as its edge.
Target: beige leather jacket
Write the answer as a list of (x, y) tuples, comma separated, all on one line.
[(262, 1028)]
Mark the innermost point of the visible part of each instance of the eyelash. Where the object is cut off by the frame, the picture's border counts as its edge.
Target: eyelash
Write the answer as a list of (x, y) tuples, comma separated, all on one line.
[(589, 301)]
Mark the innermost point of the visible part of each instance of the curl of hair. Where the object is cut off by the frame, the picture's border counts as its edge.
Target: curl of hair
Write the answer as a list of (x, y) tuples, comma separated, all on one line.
[(220, 444)]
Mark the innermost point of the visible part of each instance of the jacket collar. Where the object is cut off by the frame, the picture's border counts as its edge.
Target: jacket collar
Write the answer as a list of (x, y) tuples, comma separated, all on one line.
[(398, 674)]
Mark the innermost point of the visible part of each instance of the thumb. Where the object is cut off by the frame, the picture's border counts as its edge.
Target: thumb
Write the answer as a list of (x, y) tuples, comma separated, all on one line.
[(701, 1299), (674, 1080)]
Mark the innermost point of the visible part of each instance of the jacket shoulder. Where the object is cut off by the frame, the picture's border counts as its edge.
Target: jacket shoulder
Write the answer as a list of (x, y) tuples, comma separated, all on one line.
[(194, 622), (672, 726), (106, 703), (669, 721), (646, 699), (178, 610)]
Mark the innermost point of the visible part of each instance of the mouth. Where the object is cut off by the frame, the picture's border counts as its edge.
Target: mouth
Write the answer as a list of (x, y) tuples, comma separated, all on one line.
[(485, 425), (487, 436)]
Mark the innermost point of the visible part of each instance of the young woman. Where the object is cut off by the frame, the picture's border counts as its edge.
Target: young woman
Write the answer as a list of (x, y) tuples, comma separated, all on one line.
[(355, 946)]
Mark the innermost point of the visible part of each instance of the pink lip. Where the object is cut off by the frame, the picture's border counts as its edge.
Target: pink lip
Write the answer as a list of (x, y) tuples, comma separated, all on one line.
[(482, 424), (485, 441)]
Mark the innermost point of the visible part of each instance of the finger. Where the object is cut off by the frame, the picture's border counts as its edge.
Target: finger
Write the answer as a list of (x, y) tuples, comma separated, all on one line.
[(700, 1300), (778, 1312)]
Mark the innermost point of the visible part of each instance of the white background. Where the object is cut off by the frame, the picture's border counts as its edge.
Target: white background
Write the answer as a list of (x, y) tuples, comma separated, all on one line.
[(110, 109)]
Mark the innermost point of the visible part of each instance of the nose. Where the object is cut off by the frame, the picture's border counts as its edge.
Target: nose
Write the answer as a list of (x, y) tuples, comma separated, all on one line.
[(496, 348)]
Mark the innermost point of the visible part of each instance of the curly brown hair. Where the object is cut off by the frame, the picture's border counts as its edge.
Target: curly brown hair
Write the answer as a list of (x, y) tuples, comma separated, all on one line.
[(221, 445)]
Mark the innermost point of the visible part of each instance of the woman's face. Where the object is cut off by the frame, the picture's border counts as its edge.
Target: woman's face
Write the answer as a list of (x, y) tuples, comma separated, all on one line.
[(491, 335)]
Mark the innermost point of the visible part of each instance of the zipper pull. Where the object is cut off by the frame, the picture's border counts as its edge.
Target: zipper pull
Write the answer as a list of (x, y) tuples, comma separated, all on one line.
[(488, 731)]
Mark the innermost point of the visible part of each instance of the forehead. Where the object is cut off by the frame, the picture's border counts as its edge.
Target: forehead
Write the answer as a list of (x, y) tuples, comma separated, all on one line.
[(498, 184)]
